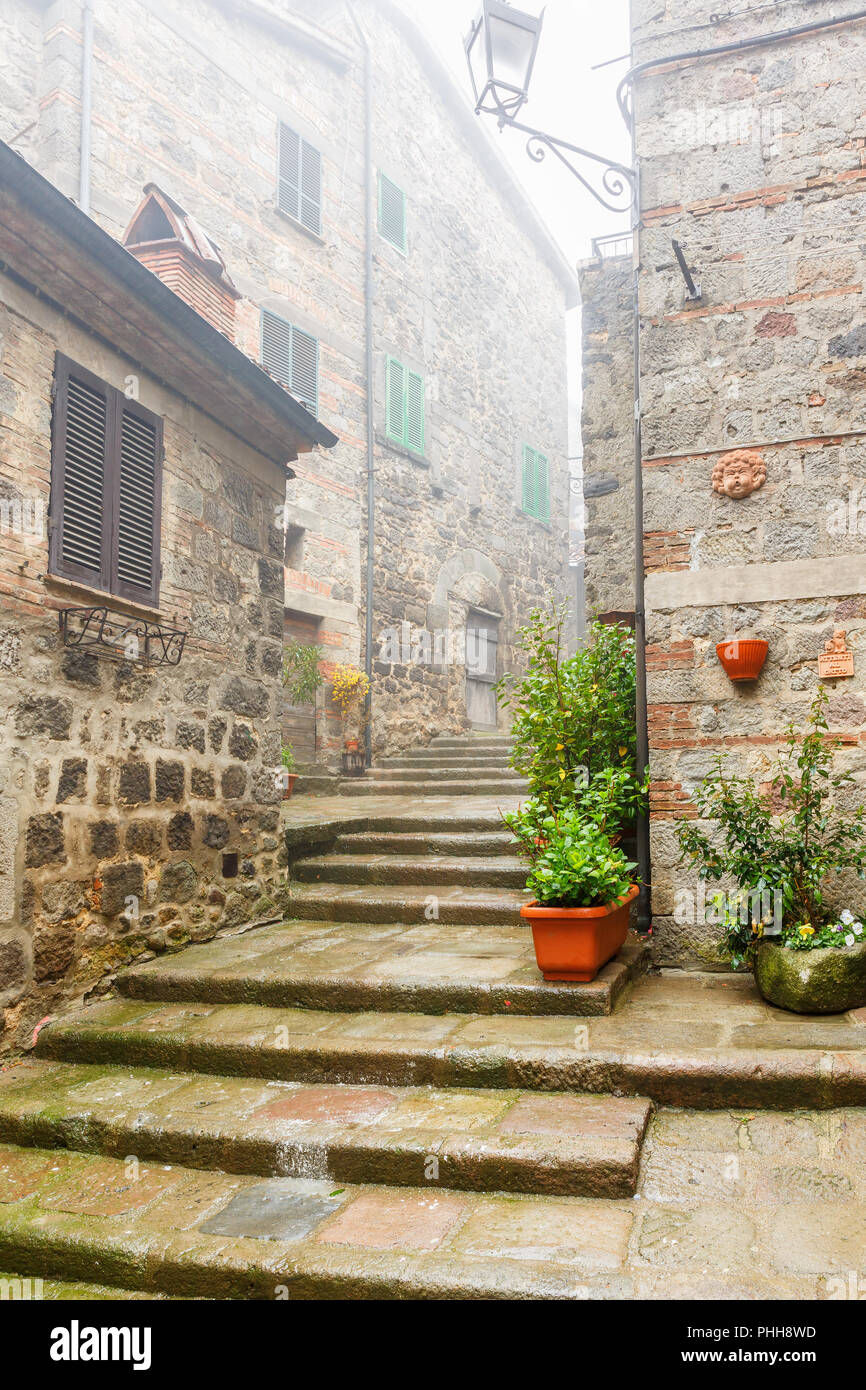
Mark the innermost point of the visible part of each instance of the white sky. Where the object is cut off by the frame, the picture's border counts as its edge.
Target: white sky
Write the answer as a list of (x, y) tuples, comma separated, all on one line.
[(566, 98)]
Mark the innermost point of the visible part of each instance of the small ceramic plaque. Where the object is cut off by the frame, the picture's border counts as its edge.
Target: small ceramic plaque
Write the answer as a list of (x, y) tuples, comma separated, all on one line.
[(836, 659)]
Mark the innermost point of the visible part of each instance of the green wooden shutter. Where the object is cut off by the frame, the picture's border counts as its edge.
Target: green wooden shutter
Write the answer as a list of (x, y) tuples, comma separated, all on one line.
[(529, 487), (542, 487), (536, 484), (299, 179), (415, 413), (395, 395), (392, 212)]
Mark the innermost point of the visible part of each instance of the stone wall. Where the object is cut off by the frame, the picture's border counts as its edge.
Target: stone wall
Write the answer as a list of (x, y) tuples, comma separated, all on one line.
[(754, 162), (607, 428), (123, 790)]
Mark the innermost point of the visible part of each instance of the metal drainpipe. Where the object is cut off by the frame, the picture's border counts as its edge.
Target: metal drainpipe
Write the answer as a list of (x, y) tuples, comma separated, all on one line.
[(368, 355), (644, 906), (86, 105)]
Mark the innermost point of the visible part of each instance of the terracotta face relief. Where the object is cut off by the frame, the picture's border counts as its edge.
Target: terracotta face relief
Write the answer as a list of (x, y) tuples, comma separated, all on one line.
[(739, 473)]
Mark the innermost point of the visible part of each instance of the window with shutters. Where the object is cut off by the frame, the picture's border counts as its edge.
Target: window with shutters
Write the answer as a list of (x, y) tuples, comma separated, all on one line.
[(299, 179), (392, 212), (292, 356), (106, 485), (536, 484), (404, 406)]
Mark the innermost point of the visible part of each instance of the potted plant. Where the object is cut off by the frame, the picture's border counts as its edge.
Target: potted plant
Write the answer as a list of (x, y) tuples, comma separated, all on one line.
[(573, 718), (301, 675), (349, 690), (289, 776), (582, 886), (782, 844)]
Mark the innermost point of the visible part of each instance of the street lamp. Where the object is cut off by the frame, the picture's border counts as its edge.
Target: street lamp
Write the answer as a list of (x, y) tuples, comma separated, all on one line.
[(500, 50)]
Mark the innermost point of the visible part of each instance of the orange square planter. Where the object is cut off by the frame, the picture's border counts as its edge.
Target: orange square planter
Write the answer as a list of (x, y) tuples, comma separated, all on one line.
[(573, 943)]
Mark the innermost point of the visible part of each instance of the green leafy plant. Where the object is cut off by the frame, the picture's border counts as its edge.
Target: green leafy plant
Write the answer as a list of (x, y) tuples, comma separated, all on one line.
[(287, 757), (301, 674), (573, 718), (784, 839), (572, 860)]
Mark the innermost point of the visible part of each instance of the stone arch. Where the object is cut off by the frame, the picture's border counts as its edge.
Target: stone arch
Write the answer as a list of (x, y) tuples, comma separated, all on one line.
[(456, 577)]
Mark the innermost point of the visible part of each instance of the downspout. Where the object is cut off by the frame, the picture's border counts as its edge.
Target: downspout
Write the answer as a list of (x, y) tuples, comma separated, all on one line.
[(86, 105), (644, 905), (368, 371)]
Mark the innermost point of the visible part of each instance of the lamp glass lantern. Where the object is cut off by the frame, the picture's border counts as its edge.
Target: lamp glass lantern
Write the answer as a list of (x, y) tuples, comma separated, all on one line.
[(500, 49)]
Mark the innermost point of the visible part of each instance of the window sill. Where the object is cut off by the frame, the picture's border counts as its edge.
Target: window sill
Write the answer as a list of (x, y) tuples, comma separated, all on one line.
[(99, 598), (527, 516), (299, 226), (400, 449)]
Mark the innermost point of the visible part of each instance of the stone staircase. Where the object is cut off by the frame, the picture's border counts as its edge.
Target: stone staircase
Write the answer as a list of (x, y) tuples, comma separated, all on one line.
[(475, 765), (381, 1098)]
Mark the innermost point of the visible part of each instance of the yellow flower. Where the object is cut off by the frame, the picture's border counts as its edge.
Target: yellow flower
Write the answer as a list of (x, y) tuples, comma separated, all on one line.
[(807, 931), (559, 747), (561, 775)]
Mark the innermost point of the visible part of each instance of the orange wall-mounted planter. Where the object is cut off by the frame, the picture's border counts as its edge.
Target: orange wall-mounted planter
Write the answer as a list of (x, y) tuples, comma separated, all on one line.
[(742, 660), (573, 943)]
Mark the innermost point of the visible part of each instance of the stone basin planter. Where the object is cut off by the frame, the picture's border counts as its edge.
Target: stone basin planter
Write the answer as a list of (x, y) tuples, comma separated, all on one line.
[(573, 943), (828, 980)]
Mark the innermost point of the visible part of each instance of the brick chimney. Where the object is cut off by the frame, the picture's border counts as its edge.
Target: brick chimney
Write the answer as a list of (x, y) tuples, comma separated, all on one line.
[(172, 244)]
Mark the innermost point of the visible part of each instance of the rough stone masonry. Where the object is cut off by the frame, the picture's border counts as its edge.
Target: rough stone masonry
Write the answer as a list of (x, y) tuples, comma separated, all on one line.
[(754, 161)]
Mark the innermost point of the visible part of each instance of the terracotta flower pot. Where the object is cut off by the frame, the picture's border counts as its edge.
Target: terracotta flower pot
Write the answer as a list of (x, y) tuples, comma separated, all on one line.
[(289, 784), (573, 943), (742, 660)]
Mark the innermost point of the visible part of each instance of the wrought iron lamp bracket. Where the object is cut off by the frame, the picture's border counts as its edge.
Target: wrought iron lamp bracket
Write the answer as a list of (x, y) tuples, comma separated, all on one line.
[(618, 181)]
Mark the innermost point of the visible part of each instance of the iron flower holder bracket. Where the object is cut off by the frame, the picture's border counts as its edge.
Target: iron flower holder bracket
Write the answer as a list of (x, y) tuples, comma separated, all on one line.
[(116, 635)]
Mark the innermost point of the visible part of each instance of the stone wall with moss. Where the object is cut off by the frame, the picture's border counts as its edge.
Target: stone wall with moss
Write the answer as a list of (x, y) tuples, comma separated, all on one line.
[(122, 789)]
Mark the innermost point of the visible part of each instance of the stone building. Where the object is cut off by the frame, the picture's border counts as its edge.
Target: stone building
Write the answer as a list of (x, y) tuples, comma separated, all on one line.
[(252, 116), (752, 159), (143, 466)]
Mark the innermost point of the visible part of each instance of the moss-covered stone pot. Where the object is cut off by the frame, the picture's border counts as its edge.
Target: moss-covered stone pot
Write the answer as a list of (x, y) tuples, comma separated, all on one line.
[(828, 980)]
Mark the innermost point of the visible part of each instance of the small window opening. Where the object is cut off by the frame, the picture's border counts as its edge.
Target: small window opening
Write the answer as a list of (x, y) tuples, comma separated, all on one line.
[(230, 864)]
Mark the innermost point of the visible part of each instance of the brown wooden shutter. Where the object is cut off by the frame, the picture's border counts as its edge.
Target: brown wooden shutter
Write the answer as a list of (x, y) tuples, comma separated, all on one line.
[(106, 476), (80, 468), (135, 552)]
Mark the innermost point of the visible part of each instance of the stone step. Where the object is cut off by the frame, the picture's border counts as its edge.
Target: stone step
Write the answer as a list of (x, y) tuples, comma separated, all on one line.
[(15, 1287), (433, 901), (424, 757), (372, 785), (500, 871), (192, 1233), (352, 966), (420, 844), (472, 741), (637, 1051), (507, 1141), (479, 775)]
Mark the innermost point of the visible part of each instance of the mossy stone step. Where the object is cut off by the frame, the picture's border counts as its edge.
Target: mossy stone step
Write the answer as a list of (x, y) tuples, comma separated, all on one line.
[(507, 1141), (354, 966), (471, 871), (188, 1233)]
